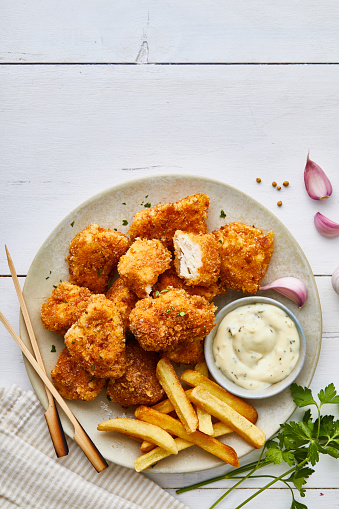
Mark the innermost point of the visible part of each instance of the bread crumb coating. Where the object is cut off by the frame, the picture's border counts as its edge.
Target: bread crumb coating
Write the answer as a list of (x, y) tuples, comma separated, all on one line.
[(123, 298), (96, 341), (93, 256), (245, 255), (141, 266)]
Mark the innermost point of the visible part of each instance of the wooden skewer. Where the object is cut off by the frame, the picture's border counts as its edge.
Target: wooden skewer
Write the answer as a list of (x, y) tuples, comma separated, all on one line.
[(80, 436), (52, 417)]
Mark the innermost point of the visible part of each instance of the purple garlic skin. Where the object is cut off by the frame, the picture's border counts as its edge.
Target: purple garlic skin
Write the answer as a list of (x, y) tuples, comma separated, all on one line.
[(291, 287), (317, 184), (325, 226)]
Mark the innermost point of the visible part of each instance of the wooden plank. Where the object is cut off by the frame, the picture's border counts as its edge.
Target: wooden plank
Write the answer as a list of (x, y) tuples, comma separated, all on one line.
[(68, 132), (151, 31)]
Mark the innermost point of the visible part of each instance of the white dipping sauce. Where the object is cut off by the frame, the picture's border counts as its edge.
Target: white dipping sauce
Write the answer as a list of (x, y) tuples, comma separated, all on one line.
[(256, 345)]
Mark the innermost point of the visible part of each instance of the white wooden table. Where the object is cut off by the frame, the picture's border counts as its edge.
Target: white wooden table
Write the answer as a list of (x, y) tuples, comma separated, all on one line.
[(97, 93)]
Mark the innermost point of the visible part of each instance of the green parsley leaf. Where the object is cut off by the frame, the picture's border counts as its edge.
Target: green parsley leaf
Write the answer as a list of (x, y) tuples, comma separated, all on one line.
[(222, 214), (298, 505), (182, 313), (53, 349), (328, 395), (100, 272), (93, 367), (147, 205), (55, 286), (72, 224), (123, 203), (124, 222), (73, 342), (302, 395), (91, 379), (157, 293)]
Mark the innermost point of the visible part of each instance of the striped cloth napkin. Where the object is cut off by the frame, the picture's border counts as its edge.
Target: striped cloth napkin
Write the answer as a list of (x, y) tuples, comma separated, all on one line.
[(32, 477)]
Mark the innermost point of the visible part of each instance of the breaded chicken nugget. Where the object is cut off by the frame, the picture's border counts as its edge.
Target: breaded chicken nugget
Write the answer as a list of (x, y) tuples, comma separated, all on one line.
[(93, 256), (64, 307), (74, 381), (96, 341), (245, 255), (161, 222), (174, 316), (170, 279), (139, 385), (187, 352), (123, 298), (141, 266), (197, 257)]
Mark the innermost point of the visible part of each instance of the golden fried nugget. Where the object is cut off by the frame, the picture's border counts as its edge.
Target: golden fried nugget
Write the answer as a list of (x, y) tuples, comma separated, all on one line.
[(197, 258), (170, 279), (245, 255), (64, 307), (141, 266), (93, 256), (74, 381), (187, 352), (96, 341), (123, 298), (139, 384), (174, 316), (161, 222)]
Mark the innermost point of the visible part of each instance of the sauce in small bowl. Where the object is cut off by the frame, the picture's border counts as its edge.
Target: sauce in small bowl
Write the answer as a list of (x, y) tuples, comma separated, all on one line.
[(257, 349)]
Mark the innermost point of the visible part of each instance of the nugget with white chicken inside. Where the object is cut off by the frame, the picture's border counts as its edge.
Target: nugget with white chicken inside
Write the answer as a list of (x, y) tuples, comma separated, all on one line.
[(141, 266), (162, 221), (96, 341), (245, 254), (197, 258), (93, 256), (160, 324)]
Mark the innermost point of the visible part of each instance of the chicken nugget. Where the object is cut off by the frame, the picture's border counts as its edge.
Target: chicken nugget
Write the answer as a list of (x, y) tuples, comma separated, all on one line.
[(93, 256), (64, 307), (139, 385), (174, 316), (187, 352), (245, 255), (123, 298), (96, 341), (74, 381), (161, 222), (141, 266), (197, 258), (170, 279)]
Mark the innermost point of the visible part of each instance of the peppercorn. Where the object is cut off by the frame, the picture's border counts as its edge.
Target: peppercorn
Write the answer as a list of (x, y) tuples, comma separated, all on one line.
[(279, 203), (286, 183), (258, 180), (274, 184)]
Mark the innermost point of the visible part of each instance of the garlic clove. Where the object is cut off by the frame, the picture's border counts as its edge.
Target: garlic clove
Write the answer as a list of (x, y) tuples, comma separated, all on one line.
[(317, 184), (290, 287), (325, 226), (335, 280)]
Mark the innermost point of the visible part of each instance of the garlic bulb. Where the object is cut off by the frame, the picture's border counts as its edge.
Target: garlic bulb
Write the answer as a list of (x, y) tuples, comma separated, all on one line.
[(290, 287), (325, 226), (317, 184), (335, 280)]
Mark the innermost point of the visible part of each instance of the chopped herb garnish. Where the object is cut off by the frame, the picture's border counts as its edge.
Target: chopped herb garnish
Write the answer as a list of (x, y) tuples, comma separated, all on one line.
[(172, 308), (100, 357), (72, 224), (91, 379), (182, 313), (53, 348), (55, 286), (222, 213), (146, 196), (109, 398), (93, 367), (66, 301), (124, 222), (248, 261), (47, 277), (73, 342), (157, 293), (100, 272), (220, 241), (115, 229), (168, 310), (147, 205), (124, 203)]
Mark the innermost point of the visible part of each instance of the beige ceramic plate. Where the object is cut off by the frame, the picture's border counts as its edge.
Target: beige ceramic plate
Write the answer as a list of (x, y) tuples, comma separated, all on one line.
[(109, 209)]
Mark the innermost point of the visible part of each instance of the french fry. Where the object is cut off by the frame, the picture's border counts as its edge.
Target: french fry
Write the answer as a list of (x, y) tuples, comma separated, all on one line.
[(170, 382), (193, 378), (210, 444), (242, 426), (139, 429), (158, 453), (166, 406), (204, 418)]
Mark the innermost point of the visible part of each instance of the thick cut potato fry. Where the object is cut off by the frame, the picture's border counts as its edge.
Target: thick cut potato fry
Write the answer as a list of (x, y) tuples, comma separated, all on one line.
[(242, 426), (176, 394), (144, 430), (174, 426), (204, 418), (193, 378)]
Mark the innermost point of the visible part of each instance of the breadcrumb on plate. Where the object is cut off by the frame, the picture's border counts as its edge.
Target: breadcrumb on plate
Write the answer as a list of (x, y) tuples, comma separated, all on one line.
[(123, 298), (197, 258), (141, 266), (161, 222), (64, 307), (96, 341), (170, 279), (139, 384), (93, 256), (245, 254), (74, 381), (173, 316)]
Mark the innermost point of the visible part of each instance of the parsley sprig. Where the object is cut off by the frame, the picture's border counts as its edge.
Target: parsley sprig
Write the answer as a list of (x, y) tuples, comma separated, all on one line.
[(298, 444)]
